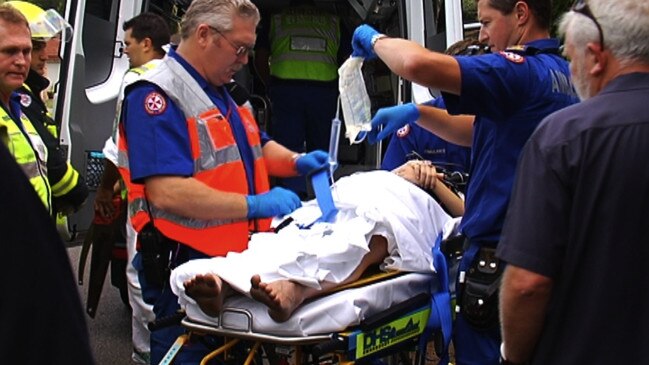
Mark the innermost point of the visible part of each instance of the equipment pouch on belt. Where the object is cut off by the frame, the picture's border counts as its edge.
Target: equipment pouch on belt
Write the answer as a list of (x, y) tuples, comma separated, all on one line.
[(453, 247), (479, 294), (154, 248)]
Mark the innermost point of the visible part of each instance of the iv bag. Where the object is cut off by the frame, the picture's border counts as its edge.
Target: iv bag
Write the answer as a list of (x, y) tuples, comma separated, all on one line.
[(355, 102)]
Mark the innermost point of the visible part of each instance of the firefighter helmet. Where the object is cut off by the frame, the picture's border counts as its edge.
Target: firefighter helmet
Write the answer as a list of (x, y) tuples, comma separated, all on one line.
[(44, 24)]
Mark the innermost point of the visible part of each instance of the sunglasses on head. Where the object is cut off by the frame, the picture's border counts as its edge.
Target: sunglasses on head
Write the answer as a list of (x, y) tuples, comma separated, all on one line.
[(582, 8)]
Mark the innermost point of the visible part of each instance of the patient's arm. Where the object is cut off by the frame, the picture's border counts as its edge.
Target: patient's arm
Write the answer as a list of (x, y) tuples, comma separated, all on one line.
[(424, 175)]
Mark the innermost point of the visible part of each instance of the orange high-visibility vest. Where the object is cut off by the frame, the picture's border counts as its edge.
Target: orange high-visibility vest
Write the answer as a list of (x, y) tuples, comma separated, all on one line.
[(217, 164)]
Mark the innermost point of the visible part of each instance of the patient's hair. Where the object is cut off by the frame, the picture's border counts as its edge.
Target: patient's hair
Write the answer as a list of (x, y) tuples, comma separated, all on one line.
[(467, 47)]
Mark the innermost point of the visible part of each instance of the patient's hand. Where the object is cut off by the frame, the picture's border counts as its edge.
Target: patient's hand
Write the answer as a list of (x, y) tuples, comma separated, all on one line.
[(420, 173)]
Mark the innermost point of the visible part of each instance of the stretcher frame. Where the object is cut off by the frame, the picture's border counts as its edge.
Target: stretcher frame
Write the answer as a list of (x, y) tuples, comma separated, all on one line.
[(390, 332)]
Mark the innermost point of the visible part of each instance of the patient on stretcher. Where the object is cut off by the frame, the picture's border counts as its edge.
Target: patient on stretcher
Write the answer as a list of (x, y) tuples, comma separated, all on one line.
[(282, 296), (382, 219)]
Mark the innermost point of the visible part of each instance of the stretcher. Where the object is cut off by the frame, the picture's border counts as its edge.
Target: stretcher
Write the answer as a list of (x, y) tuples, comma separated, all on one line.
[(386, 314)]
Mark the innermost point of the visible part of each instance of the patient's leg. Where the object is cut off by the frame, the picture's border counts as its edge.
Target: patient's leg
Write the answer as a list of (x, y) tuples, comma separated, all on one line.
[(208, 290), (283, 296)]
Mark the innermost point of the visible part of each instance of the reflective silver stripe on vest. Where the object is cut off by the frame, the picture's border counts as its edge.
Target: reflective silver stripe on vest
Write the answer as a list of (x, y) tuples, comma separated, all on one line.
[(308, 44), (257, 152), (141, 204), (122, 159), (37, 168), (211, 157), (180, 87), (31, 169), (306, 57)]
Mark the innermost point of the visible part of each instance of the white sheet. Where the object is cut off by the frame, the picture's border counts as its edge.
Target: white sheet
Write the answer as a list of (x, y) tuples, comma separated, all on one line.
[(370, 203), (333, 313)]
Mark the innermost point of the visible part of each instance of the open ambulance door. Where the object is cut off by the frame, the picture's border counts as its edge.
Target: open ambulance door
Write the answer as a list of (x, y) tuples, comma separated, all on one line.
[(91, 72)]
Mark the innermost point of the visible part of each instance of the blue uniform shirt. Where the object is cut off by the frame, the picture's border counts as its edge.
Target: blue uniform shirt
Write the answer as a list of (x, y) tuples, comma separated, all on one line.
[(509, 93), (432, 148), (14, 111), (159, 144), (14, 107)]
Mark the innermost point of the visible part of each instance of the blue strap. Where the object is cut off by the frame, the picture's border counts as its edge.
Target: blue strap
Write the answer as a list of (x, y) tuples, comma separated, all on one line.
[(440, 314), (320, 184)]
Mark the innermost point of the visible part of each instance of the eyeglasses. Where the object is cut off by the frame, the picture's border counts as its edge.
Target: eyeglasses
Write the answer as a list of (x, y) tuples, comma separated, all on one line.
[(239, 50), (582, 8)]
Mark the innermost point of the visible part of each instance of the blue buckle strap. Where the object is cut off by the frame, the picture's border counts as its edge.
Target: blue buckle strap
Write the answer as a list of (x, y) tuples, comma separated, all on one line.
[(320, 184), (441, 317)]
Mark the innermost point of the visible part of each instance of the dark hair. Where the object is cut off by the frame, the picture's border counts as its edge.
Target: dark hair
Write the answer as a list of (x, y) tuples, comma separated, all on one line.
[(467, 47), (12, 15), (149, 25), (542, 9)]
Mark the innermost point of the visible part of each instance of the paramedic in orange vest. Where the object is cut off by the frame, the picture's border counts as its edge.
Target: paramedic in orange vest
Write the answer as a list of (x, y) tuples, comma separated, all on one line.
[(195, 163)]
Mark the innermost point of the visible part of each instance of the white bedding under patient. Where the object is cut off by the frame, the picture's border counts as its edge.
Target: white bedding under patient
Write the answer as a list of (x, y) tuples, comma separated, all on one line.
[(369, 203)]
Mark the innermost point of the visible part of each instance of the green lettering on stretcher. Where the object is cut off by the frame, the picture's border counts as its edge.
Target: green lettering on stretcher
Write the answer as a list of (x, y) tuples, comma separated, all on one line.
[(392, 333)]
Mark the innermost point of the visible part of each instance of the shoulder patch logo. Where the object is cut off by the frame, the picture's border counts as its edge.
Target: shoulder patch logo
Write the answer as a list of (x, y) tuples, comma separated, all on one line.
[(25, 100), (403, 131), (513, 57), (155, 103)]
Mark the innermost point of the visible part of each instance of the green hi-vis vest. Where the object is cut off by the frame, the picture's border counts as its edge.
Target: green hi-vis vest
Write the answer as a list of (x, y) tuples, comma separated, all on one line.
[(33, 160), (304, 45)]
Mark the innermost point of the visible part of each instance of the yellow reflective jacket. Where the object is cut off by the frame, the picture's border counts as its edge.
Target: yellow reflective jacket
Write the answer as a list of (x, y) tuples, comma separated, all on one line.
[(304, 44), (30, 152)]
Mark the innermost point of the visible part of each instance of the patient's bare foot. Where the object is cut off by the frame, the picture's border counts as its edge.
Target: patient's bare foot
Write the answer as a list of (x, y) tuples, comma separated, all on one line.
[(208, 291), (282, 297)]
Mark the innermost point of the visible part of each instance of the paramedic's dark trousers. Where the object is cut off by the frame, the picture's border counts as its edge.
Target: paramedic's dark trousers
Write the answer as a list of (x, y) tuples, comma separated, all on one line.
[(302, 111), (165, 303)]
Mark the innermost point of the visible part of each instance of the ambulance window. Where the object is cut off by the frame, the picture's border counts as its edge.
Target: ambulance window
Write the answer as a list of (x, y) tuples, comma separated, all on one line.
[(470, 19), (435, 19), (170, 10), (98, 38)]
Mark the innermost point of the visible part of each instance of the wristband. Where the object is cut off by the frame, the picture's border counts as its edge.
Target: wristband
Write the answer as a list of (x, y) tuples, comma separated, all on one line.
[(294, 158), (376, 37)]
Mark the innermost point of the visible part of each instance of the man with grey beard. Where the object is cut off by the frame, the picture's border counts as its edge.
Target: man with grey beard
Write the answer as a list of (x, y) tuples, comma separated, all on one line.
[(575, 236)]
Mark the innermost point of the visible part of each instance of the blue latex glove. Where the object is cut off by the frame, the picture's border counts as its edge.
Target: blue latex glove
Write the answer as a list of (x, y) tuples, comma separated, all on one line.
[(391, 119), (276, 202), (362, 42), (312, 162)]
